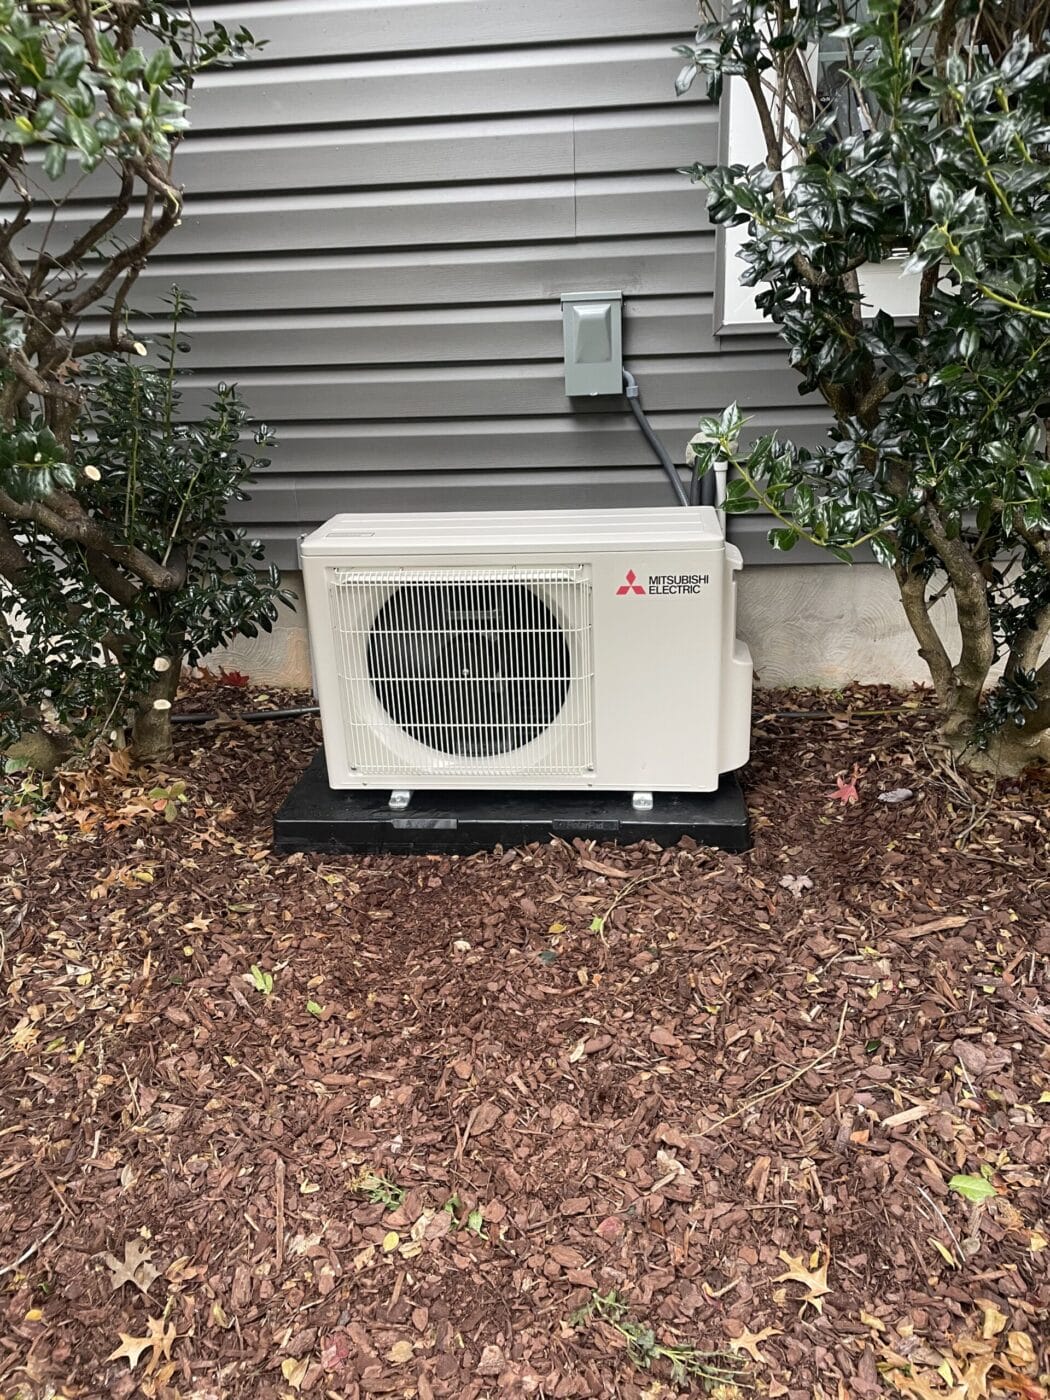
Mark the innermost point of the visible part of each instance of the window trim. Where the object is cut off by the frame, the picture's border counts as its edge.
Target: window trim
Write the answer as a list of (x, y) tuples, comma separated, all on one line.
[(884, 285)]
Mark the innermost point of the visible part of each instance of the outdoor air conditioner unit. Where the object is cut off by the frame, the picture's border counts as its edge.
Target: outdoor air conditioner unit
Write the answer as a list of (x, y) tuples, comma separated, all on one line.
[(557, 650)]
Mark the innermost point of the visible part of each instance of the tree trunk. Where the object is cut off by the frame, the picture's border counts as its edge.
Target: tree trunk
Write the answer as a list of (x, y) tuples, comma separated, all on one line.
[(151, 732), (959, 686), (38, 750), (1008, 754)]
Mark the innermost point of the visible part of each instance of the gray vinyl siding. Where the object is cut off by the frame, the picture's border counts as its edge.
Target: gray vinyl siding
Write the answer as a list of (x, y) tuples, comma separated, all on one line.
[(382, 213)]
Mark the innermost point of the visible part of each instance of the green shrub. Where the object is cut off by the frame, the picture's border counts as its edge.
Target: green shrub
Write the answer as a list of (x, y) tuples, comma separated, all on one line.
[(113, 557), (929, 133), (95, 648)]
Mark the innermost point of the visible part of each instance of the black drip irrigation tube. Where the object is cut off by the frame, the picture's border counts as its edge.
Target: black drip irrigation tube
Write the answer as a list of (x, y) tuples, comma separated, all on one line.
[(251, 716)]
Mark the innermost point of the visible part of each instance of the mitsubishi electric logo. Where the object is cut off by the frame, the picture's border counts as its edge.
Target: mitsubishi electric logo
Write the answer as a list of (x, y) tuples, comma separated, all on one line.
[(630, 585), (663, 583)]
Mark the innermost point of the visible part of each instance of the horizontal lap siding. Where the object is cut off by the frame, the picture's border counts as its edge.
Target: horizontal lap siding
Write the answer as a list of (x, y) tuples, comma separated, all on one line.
[(435, 86), (591, 207), (299, 29), (381, 216), (486, 391), (430, 277)]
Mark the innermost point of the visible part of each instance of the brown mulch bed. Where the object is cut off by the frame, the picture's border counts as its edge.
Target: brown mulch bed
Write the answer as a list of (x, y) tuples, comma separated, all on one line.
[(523, 1122)]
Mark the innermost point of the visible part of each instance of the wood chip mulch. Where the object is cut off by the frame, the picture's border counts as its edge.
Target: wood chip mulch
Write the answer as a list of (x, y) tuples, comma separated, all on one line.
[(555, 1121)]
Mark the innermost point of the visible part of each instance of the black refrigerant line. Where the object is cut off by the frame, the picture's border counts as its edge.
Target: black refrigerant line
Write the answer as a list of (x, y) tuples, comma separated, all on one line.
[(662, 455), (700, 489)]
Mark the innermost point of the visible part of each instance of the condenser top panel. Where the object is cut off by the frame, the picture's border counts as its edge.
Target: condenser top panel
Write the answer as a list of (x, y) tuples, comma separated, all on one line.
[(523, 531)]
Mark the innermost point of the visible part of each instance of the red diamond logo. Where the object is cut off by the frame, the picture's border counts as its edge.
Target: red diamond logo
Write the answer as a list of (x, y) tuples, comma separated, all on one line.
[(631, 585)]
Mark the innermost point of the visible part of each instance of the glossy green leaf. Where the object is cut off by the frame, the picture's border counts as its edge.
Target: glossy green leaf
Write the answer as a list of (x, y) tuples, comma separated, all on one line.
[(972, 1188)]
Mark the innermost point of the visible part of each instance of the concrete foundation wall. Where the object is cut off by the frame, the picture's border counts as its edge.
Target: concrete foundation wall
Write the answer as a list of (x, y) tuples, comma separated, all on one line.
[(821, 625), (828, 625)]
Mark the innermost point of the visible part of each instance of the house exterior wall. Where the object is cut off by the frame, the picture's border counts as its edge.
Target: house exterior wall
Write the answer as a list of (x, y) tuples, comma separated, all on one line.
[(382, 213)]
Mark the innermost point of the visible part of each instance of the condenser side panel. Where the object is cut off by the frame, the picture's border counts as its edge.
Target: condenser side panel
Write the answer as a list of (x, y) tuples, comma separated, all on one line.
[(658, 655)]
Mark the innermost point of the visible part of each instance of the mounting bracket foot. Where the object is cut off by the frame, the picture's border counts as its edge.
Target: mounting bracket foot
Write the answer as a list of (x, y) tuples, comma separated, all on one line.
[(642, 801), (399, 799)]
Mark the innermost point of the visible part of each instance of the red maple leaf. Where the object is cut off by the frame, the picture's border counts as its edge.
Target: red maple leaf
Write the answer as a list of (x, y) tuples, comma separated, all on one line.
[(234, 678), (335, 1351), (846, 791)]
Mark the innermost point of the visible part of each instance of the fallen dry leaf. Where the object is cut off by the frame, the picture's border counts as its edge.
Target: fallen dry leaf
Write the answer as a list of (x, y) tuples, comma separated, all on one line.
[(131, 1347), (749, 1342), (974, 1380), (1019, 1349), (161, 1335), (364, 1258), (846, 792), (796, 883), (973, 1369), (294, 1371), (135, 1268), (815, 1280), (994, 1320), (924, 1389), (669, 1165), (335, 1351), (1023, 1386)]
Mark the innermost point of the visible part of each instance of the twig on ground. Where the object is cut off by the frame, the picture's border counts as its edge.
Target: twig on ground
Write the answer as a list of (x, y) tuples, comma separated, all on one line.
[(66, 1208), (979, 802), (278, 1211), (33, 1248), (944, 1221), (776, 1089), (966, 1075), (461, 1144), (600, 920)]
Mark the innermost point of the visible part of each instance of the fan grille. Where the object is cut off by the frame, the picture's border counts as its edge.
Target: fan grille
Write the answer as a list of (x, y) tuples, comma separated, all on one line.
[(470, 666)]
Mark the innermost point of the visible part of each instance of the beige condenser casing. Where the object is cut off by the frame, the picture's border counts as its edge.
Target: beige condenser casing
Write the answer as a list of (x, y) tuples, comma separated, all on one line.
[(558, 650)]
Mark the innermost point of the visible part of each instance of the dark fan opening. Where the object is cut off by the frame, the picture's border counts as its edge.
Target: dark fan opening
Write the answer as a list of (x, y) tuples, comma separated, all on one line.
[(471, 669)]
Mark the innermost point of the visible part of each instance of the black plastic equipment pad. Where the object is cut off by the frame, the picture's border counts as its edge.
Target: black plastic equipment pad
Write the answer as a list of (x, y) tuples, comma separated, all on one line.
[(314, 818)]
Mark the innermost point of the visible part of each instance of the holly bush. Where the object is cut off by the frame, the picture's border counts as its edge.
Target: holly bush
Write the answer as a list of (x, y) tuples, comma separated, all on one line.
[(919, 134), (94, 648), (114, 555)]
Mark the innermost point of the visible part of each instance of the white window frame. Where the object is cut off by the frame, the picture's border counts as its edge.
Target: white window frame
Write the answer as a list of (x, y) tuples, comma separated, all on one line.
[(884, 286)]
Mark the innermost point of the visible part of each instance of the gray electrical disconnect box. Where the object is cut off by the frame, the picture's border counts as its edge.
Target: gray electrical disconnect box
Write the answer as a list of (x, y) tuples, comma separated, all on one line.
[(593, 343)]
